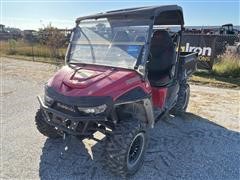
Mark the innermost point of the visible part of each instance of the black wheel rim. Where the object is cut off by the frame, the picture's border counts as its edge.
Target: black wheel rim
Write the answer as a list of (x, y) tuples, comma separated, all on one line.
[(135, 150)]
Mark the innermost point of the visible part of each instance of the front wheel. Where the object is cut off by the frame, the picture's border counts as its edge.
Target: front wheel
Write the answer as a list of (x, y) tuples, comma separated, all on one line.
[(43, 127), (125, 147), (182, 100)]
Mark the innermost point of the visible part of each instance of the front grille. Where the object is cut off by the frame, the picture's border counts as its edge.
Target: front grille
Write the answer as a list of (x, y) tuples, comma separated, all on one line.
[(68, 109), (65, 108)]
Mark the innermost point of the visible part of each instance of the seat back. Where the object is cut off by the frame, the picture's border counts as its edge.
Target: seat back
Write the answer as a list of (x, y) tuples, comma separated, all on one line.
[(162, 53)]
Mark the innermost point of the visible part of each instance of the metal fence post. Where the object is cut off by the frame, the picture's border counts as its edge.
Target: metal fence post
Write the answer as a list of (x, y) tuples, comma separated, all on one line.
[(33, 53)]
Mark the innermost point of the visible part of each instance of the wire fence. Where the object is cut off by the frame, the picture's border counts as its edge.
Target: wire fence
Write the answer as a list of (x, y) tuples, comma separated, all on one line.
[(34, 51)]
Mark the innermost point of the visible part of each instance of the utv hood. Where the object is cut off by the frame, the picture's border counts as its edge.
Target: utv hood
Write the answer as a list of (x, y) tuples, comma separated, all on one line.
[(94, 81)]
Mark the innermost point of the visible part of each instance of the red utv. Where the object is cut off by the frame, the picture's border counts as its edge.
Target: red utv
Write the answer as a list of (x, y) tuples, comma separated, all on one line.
[(123, 72)]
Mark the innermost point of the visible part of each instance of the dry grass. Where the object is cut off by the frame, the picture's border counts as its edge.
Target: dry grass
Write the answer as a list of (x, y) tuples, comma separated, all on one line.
[(225, 73), (25, 49), (227, 65), (211, 80)]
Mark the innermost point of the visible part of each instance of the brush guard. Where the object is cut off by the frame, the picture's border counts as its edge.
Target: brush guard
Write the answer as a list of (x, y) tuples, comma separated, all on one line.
[(78, 126)]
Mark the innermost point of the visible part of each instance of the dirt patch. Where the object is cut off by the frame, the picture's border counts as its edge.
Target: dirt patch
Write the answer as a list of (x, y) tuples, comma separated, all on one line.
[(28, 70), (218, 105)]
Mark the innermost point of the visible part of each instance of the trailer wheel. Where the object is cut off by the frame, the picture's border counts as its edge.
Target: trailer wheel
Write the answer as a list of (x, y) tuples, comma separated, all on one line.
[(183, 99), (125, 147), (45, 128)]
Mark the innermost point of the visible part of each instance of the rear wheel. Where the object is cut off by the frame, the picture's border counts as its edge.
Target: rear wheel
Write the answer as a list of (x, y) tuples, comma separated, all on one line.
[(183, 99), (125, 147), (43, 127)]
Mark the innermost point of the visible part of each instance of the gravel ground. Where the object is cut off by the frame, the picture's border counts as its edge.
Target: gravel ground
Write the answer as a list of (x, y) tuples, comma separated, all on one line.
[(203, 144)]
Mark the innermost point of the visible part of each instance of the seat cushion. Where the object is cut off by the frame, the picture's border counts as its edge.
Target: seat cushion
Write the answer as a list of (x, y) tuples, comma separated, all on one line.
[(159, 80)]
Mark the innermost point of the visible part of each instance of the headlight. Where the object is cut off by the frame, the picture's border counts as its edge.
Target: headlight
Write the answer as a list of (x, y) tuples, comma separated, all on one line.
[(48, 101), (93, 110)]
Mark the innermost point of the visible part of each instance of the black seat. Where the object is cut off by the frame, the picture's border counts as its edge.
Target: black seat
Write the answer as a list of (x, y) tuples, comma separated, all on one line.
[(162, 58)]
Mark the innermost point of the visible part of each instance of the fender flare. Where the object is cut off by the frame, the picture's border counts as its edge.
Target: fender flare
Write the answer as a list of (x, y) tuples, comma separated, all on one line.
[(138, 96)]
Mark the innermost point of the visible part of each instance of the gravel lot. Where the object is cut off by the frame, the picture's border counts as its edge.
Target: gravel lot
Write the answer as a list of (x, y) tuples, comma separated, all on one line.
[(203, 144)]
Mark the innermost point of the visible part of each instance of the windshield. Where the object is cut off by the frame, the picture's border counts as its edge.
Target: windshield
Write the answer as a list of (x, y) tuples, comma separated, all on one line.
[(117, 43)]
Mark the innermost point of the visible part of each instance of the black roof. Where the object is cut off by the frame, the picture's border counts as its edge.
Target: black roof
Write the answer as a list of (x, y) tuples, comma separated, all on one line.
[(230, 24), (164, 15)]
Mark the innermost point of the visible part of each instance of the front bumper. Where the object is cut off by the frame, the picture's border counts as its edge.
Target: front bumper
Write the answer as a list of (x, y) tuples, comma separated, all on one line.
[(74, 125)]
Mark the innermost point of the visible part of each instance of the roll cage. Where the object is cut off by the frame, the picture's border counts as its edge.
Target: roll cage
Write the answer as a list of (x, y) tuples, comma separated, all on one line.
[(155, 15)]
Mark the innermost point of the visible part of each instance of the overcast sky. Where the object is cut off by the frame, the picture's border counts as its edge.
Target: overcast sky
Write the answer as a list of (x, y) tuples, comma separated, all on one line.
[(36, 14)]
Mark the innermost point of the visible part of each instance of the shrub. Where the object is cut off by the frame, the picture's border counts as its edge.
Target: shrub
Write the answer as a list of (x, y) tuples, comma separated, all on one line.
[(12, 46)]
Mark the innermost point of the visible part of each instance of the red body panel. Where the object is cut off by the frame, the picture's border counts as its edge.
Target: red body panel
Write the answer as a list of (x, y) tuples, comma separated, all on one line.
[(159, 96), (103, 81), (96, 81)]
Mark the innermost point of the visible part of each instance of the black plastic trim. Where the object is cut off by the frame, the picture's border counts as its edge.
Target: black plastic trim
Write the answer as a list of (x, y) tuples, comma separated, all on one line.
[(133, 95)]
